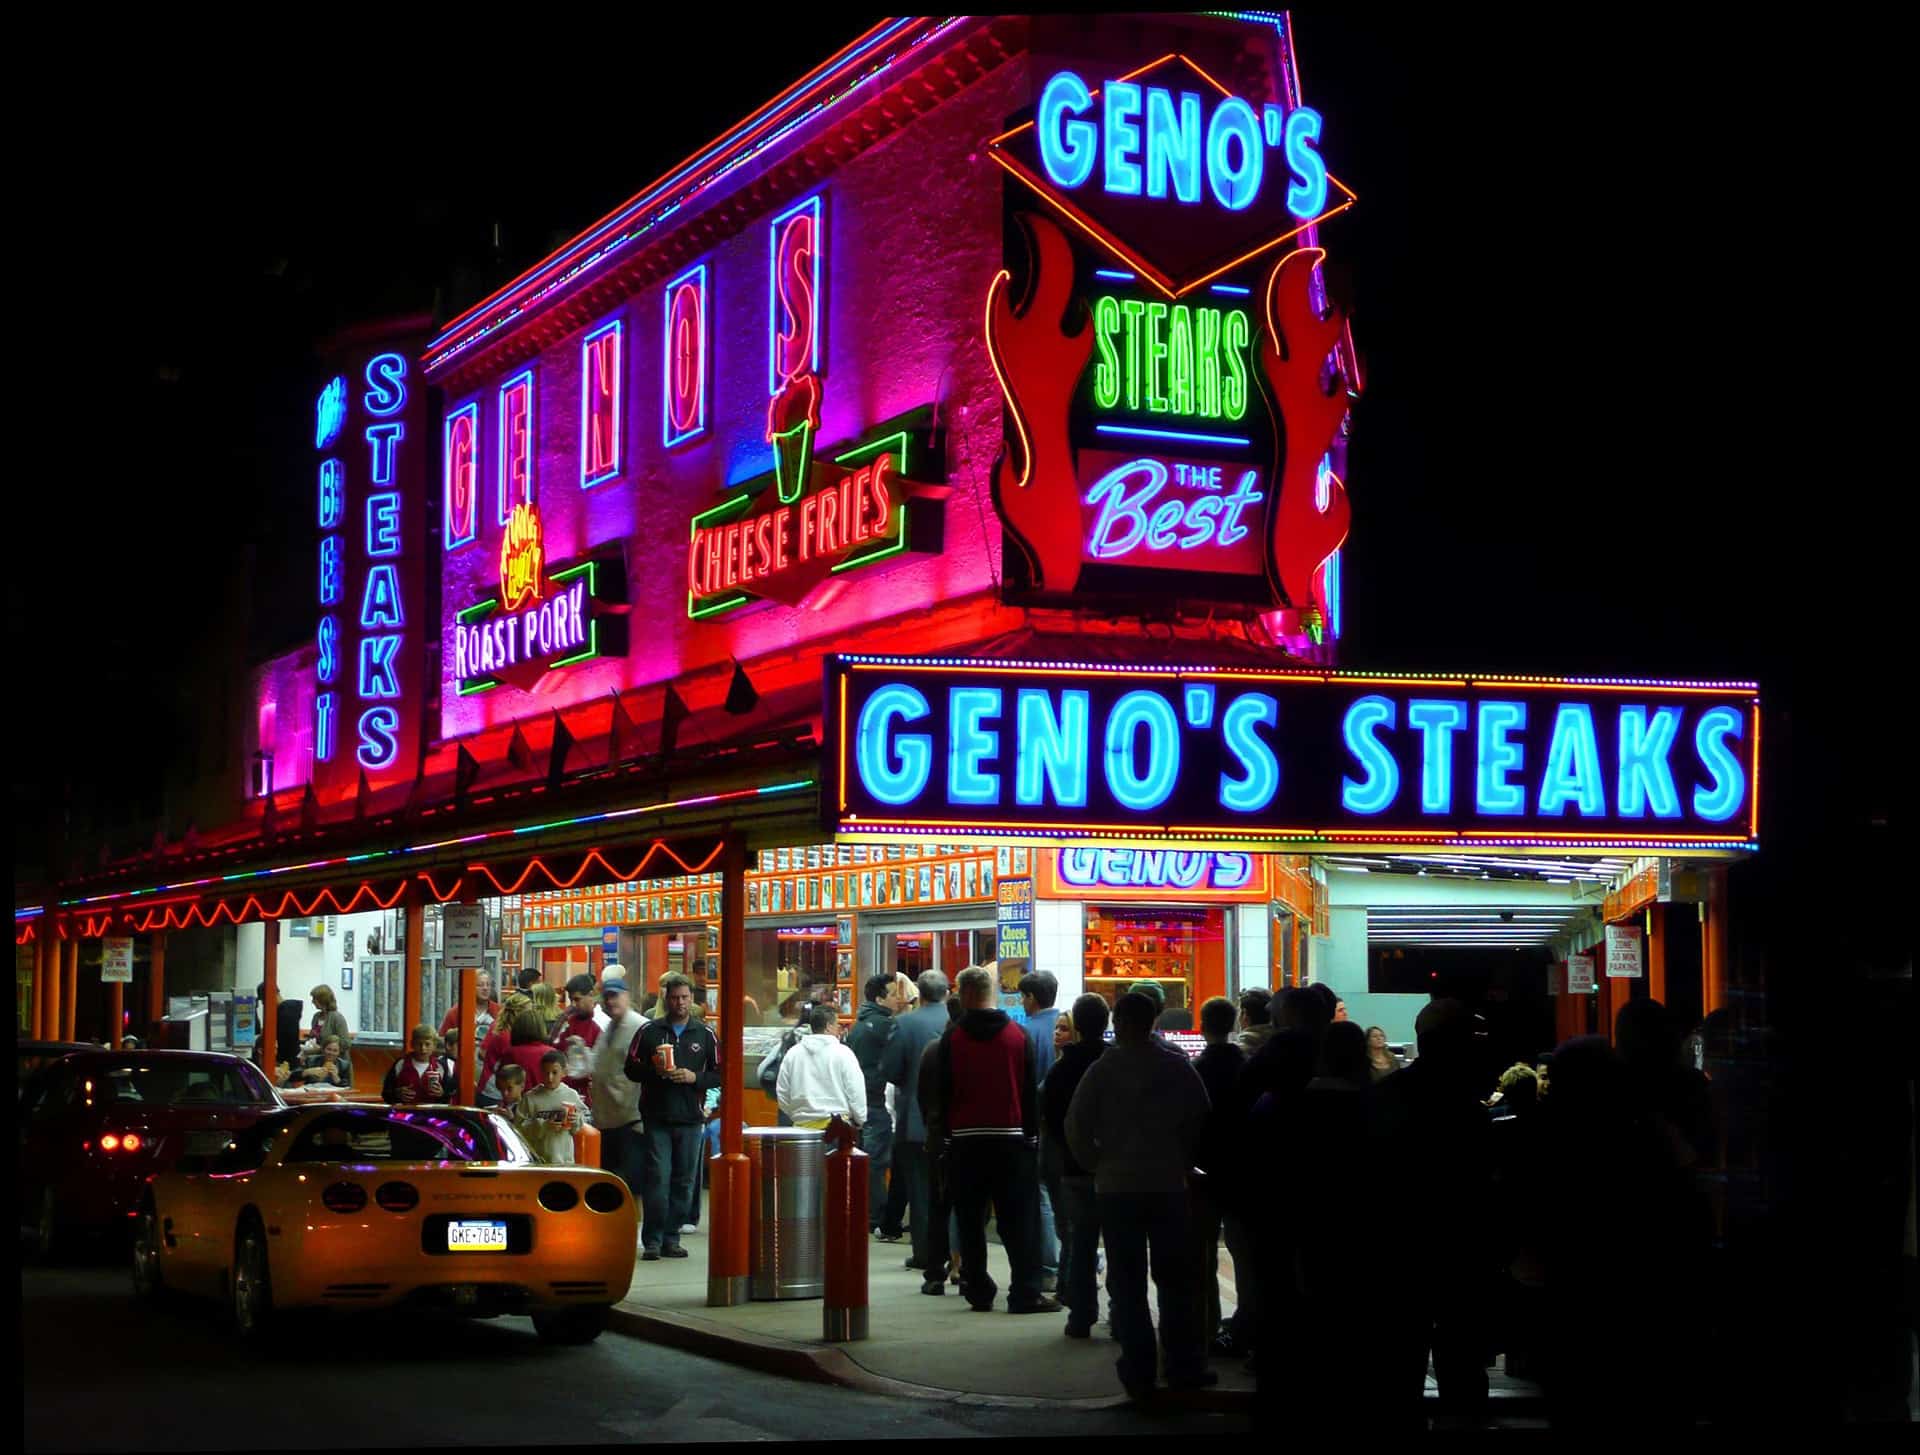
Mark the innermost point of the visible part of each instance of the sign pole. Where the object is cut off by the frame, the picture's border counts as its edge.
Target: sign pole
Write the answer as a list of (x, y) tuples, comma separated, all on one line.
[(410, 989), (157, 986), (70, 985), (270, 1048)]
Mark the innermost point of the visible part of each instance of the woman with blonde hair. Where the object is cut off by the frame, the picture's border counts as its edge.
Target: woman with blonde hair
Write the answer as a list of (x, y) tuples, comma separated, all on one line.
[(328, 1021), (546, 1004)]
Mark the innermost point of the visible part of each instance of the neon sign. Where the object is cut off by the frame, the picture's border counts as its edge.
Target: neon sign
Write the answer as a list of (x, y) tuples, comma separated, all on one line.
[(1154, 137), (516, 443), (522, 558), (1128, 874), (600, 422), (779, 539), (684, 369), (573, 615), (795, 245), (330, 412), (1193, 516), (1311, 757), (1179, 360), (460, 474)]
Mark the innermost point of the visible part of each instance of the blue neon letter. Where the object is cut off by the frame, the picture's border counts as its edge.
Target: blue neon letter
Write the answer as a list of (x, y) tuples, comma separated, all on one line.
[(1438, 720), (383, 437), (1255, 791), (329, 570), (386, 385), (328, 648), (1573, 764), (877, 773), (333, 494), (1235, 185), (1729, 790), (383, 524), (379, 737), (1173, 144), (969, 745), (1308, 195), (1382, 782), (380, 602), (1155, 713), (1055, 747), (1066, 150), (324, 715), (1123, 138), (1644, 771), (377, 676), (1498, 757)]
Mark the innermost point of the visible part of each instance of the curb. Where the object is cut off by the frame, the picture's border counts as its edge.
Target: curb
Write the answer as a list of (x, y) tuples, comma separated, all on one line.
[(822, 1365)]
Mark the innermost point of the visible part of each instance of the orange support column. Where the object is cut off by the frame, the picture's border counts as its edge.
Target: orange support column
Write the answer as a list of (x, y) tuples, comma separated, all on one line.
[(46, 980), (70, 988), (469, 1031), (157, 986), (1657, 952), (731, 1192), (1713, 948), (116, 1013), (410, 990), (55, 956), (271, 1051)]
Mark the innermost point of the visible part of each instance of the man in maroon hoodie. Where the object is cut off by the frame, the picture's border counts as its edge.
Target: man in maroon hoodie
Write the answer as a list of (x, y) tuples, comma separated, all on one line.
[(578, 1024), (985, 1111)]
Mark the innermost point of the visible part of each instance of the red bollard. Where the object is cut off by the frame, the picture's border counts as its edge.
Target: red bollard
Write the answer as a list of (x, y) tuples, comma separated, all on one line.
[(845, 1315)]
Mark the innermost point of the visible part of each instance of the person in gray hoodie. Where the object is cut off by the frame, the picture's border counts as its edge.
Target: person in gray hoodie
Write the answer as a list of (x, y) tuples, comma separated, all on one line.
[(1136, 1120), (900, 1065), (614, 1097)]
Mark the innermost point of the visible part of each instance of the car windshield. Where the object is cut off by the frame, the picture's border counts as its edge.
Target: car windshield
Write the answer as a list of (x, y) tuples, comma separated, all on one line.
[(199, 1083), (408, 1134)]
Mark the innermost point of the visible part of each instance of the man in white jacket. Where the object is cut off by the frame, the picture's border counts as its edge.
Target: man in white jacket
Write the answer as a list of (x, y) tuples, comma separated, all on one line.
[(614, 1098), (820, 1079)]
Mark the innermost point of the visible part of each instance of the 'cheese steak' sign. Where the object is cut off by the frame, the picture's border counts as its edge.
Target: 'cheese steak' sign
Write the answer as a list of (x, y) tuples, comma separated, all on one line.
[(1241, 755)]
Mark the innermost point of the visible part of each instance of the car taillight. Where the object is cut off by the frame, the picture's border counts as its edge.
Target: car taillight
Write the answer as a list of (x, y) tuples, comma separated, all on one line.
[(344, 1197), (605, 1197), (109, 1143), (396, 1197), (559, 1197), (130, 1142)]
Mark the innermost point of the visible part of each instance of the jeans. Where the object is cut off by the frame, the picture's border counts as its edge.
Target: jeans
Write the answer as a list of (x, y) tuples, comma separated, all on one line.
[(1049, 1236), (1079, 1213), (876, 1140), (1003, 1171), (912, 1190), (623, 1152), (1153, 1228), (673, 1165)]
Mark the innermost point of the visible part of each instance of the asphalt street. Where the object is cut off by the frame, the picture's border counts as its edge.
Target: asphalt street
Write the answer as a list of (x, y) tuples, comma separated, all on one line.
[(103, 1371)]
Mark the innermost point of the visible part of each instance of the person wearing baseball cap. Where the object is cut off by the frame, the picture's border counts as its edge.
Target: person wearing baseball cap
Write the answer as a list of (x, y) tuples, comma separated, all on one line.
[(615, 1099)]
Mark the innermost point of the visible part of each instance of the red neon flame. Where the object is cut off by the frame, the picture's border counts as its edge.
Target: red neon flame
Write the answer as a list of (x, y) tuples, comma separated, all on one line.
[(1293, 348)]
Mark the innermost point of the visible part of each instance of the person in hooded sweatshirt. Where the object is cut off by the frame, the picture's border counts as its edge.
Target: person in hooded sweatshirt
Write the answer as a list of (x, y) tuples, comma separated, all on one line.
[(985, 1102), (867, 1040), (820, 1079)]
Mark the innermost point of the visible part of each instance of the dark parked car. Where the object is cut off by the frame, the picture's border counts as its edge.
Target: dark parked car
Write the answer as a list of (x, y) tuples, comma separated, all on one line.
[(32, 1055), (95, 1124)]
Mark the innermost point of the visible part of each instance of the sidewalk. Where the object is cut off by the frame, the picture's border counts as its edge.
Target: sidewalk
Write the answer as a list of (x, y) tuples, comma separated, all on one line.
[(917, 1346)]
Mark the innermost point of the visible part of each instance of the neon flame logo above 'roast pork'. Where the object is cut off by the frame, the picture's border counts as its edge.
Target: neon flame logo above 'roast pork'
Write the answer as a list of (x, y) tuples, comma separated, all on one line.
[(523, 559), (1039, 364)]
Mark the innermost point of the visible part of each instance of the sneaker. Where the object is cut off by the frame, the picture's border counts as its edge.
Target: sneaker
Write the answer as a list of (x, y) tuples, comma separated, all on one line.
[(1041, 1305), (1205, 1379), (1225, 1346), (649, 1255), (914, 1263), (891, 1237), (933, 1287), (676, 1251)]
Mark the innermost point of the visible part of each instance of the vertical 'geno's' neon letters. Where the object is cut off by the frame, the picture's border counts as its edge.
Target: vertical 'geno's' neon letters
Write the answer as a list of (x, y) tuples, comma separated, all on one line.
[(1645, 776), (1498, 757), (1055, 747), (516, 443), (460, 483), (874, 737), (794, 294), (1382, 783), (600, 422), (684, 369), (1152, 140), (1710, 734)]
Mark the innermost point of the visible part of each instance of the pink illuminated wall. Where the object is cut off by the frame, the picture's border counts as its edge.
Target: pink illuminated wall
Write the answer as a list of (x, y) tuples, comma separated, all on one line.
[(905, 284)]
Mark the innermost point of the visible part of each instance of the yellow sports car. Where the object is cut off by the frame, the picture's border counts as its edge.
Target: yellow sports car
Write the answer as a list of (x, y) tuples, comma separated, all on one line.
[(344, 1206)]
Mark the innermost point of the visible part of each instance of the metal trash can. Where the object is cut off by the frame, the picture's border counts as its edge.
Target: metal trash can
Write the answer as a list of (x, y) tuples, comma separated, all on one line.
[(787, 1255)]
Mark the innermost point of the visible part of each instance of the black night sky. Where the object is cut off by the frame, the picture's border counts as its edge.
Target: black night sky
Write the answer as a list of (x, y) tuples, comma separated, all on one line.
[(1609, 426)]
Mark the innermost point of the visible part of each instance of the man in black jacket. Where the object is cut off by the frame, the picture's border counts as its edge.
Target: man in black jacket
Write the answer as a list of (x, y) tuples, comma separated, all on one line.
[(913, 1035), (872, 1029), (1076, 1213), (1219, 1066), (676, 1061)]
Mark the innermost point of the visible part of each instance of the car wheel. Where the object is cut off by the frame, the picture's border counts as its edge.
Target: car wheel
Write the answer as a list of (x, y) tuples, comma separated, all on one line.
[(250, 1287), (570, 1326), (147, 1283)]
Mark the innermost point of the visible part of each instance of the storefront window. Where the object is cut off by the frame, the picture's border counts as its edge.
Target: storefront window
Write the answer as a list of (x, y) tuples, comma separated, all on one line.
[(783, 967), (1183, 949)]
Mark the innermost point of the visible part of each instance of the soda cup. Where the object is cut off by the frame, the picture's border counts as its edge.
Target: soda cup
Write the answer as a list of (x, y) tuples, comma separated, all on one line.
[(663, 1057)]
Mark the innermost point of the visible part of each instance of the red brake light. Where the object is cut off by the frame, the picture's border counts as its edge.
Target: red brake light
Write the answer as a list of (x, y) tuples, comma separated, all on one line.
[(344, 1197), (109, 1143), (130, 1142)]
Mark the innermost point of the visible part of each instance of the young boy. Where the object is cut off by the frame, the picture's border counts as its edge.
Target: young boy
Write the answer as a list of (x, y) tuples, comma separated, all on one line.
[(423, 1076), (510, 1080), (551, 1112)]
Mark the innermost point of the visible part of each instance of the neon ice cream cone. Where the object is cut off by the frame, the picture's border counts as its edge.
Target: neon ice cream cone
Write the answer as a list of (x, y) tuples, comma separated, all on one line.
[(793, 459)]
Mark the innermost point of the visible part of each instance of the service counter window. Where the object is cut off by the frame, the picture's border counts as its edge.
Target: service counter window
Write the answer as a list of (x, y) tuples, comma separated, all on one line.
[(1183, 948), (783, 966)]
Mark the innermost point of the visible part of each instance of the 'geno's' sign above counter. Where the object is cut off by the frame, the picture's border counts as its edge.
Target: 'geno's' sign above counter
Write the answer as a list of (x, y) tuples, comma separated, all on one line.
[(1065, 752)]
